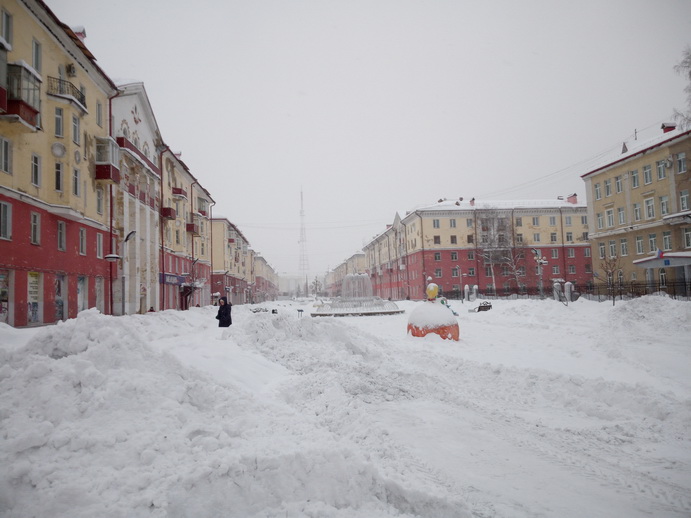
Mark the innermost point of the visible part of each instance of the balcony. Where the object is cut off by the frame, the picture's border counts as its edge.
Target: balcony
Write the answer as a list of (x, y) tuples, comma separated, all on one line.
[(194, 224), (179, 192), (107, 158), (168, 213), (23, 95), (66, 90), (3, 99)]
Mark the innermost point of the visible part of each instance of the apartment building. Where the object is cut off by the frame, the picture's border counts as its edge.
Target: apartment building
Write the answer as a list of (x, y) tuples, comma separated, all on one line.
[(638, 203), (185, 273), (489, 244), (265, 280), (136, 202), (54, 204), (232, 273)]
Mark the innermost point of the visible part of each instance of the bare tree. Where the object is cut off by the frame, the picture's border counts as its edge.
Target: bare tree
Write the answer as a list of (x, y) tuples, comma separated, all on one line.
[(611, 265), (683, 68), (494, 246)]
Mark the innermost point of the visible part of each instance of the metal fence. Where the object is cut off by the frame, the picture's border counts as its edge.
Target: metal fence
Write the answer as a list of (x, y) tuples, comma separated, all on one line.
[(601, 292)]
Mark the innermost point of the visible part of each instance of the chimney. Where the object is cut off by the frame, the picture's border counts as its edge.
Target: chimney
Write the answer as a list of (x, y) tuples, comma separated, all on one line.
[(668, 126), (472, 202), (572, 198), (80, 32)]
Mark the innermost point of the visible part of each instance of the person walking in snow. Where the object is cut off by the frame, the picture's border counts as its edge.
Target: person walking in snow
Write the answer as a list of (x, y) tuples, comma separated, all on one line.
[(223, 317)]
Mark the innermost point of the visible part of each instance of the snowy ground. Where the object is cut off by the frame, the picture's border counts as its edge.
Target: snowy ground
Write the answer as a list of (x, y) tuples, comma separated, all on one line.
[(540, 410)]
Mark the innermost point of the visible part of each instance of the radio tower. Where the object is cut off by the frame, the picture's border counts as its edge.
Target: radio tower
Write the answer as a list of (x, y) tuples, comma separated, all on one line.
[(304, 266)]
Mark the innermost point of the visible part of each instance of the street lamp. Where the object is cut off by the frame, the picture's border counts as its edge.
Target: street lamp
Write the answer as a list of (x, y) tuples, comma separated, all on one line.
[(540, 261), (114, 258)]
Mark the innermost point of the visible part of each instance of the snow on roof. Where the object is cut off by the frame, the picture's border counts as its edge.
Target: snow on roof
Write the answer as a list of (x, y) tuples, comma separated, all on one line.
[(457, 205), (632, 148)]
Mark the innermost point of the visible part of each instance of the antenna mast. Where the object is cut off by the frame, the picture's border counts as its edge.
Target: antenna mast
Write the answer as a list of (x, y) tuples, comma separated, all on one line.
[(304, 265)]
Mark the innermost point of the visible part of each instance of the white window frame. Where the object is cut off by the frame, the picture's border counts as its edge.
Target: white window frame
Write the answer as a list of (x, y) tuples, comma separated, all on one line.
[(82, 241), (609, 214), (667, 240), (652, 242), (681, 163), (639, 245), (59, 122), (621, 213), (59, 177), (637, 212), (649, 208), (664, 205), (635, 182), (661, 170), (5, 155), (435, 223), (76, 129), (5, 220), (35, 228), (100, 199), (62, 236), (647, 175), (6, 26), (36, 55), (617, 184), (608, 188), (624, 247), (687, 237), (598, 192), (35, 170), (684, 200), (76, 181), (536, 221), (99, 245)]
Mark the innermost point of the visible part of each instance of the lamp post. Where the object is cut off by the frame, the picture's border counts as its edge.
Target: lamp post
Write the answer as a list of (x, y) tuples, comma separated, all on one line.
[(540, 261), (113, 258)]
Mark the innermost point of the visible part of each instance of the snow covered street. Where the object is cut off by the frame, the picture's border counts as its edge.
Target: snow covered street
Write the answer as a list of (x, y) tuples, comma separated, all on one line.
[(540, 410)]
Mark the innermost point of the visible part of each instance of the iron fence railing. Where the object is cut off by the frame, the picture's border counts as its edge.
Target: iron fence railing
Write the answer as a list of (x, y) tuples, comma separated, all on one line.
[(680, 290), (58, 86)]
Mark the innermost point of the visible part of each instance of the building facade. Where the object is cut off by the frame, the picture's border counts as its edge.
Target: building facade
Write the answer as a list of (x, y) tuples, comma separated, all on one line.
[(639, 206), (232, 260), (491, 245), (54, 206)]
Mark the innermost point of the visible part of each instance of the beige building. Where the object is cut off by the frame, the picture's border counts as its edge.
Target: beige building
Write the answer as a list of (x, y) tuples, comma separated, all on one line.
[(232, 267), (54, 201), (639, 206), (333, 281)]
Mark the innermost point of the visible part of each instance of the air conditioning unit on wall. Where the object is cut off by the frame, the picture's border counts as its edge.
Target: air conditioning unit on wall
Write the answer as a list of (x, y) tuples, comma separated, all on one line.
[(71, 70)]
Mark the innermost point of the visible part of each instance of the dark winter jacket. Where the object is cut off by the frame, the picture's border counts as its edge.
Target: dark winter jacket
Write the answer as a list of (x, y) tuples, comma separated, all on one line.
[(223, 316)]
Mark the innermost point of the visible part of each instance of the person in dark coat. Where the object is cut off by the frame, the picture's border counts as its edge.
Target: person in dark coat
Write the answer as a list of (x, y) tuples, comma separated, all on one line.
[(223, 316)]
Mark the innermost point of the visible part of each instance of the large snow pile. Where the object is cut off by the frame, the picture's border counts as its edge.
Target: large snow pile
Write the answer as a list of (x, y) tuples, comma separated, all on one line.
[(539, 410)]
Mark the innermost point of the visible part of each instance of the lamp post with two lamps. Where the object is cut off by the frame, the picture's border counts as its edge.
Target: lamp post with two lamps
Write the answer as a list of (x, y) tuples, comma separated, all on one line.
[(113, 258)]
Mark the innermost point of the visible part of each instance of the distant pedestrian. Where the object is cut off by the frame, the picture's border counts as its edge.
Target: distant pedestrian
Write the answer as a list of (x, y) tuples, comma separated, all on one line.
[(223, 317)]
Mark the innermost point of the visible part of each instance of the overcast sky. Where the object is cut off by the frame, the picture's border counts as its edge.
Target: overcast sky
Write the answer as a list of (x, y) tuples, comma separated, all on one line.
[(378, 106)]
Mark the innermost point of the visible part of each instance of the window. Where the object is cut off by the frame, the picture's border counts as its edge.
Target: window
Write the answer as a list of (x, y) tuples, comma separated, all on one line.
[(62, 236), (598, 193), (663, 278), (75, 129), (552, 221), (437, 256), (536, 238), (621, 215), (652, 242), (610, 217), (612, 248), (99, 245), (567, 221), (470, 238), (520, 271), (601, 249), (454, 256), (437, 240), (661, 170), (636, 211), (58, 177), (639, 245), (488, 270), (59, 123), (469, 223), (664, 205), (454, 272), (634, 179), (555, 253), (600, 220), (6, 26), (572, 269), (571, 253), (452, 223), (519, 222), (687, 237), (608, 187), (553, 237), (519, 238), (536, 221), (435, 223), (99, 113), (649, 208), (36, 56), (667, 240), (624, 247), (82, 241), (453, 240), (681, 163), (647, 175), (471, 255), (5, 156), (437, 273), (586, 252), (75, 182), (505, 271), (684, 199), (5, 220), (99, 200), (555, 270), (35, 229), (35, 170), (617, 184), (584, 220)]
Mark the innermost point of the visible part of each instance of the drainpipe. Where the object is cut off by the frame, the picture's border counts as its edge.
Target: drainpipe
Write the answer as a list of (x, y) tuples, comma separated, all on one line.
[(110, 196), (211, 249), (162, 266)]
